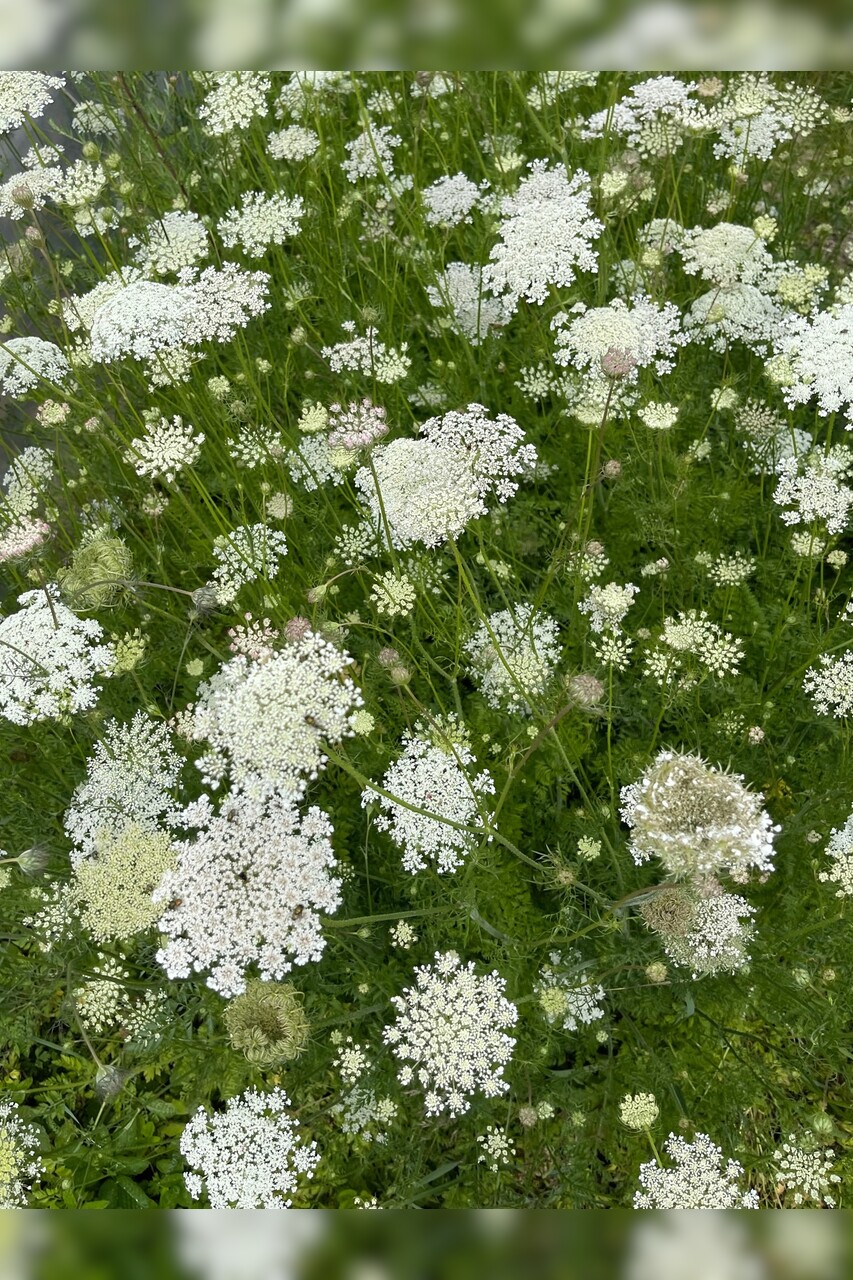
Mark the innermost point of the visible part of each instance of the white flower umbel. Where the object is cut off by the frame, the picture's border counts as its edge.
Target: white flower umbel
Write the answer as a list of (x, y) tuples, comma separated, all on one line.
[(51, 661), (565, 997), (458, 290), (654, 117), (250, 1155), (244, 555), (432, 487), (131, 778), (699, 1179), (145, 319), (726, 254), (546, 234), (19, 1164), (248, 890), (806, 1171), (831, 685), (165, 449), (366, 354), (814, 487), (697, 819), (433, 773), (234, 100), (645, 331), (606, 606), (24, 362), (176, 240), (23, 95), (451, 200), (820, 351), (840, 850), (371, 154), (717, 936), (450, 1027), (261, 220), (514, 656), (266, 721)]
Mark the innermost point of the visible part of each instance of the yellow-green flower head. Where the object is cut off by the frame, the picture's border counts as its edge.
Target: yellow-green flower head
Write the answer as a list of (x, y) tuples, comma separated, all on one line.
[(267, 1023), (117, 881), (99, 568)]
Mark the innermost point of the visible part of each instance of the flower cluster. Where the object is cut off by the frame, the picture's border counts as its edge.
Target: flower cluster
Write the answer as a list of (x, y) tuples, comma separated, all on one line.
[(261, 221), (248, 1156), (177, 240), (265, 722), (450, 1027), (244, 555), (458, 290), (565, 997), (365, 354), (698, 1179), (24, 362), (831, 685), (698, 820), (165, 449), (814, 485), (806, 1170), (427, 490), (131, 780), (692, 633), (19, 1141), (433, 775), (546, 234), (51, 661), (514, 656), (840, 850), (248, 890)]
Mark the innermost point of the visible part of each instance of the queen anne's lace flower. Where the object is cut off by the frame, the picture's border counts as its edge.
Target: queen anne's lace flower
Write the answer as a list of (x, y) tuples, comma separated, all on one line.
[(248, 890), (24, 362), (19, 1164), (840, 850), (814, 485), (459, 290), (51, 661), (697, 819), (176, 240), (546, 233), (367, 355), (144, 318), (244, 555), (699, 1179), (653, 117), (450, 1026), (831, 685), (261, 221), (235, 99), (248, 1156), (132, 777), (433, 773), (514, 656), (806, 1171), (371, 153), (451, 200), (23, 94), (726, 254), (165, 449), (565, 997), (646, 332), (433, 486), (266, 721), (820, 351)]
